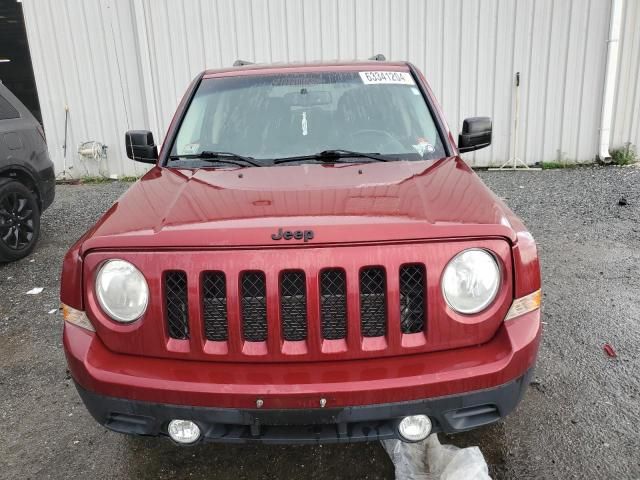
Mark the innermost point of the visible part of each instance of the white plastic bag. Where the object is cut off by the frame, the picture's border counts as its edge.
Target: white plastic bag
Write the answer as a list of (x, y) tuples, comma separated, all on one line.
[(430, 460)]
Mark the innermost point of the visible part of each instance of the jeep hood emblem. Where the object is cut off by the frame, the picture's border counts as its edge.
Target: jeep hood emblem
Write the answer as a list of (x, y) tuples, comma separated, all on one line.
[(305, 235)]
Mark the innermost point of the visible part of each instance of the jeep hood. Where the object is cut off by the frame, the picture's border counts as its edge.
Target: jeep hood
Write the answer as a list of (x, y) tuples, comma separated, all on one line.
[(341, 203)]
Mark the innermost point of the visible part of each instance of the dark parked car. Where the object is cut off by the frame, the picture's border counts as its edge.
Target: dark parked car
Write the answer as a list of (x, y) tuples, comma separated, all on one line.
[(27, 181)]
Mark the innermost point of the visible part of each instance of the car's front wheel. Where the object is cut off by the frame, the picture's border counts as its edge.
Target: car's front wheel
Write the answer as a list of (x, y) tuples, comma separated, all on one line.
[(19, 220)]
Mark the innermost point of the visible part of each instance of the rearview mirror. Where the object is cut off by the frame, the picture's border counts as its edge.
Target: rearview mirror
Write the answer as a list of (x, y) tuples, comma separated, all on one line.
[(140, 146), (476, 134), (305, 98)]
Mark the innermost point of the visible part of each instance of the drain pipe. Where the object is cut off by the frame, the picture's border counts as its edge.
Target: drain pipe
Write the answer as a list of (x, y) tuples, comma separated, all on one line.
[(610, 80)]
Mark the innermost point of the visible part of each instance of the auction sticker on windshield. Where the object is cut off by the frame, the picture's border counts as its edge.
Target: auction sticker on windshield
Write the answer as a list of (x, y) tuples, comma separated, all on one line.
[(373, 78)]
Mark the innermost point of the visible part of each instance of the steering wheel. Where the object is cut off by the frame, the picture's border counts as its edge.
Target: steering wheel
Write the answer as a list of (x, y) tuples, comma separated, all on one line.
[(378, 141)]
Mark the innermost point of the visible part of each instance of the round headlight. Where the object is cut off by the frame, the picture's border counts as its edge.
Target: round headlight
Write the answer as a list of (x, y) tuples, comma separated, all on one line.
[(471, 281), (122, 291)]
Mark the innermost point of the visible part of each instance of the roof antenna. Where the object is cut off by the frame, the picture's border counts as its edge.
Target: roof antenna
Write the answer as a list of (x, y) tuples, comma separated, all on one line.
[(241, 63), (378, 57)]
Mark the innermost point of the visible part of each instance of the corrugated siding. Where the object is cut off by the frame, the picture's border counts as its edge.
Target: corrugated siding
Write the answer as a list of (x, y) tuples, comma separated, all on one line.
[(626, 124), (126, 63), (84, 55)]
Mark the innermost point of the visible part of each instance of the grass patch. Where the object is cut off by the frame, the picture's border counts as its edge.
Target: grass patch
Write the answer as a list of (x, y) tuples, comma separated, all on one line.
[(625, 155), (557, 165), (97, 180), (89, 180)]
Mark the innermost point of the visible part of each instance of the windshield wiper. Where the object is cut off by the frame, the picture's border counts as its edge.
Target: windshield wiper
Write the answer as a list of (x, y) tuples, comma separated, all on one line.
[(222, 157), (330, 156)]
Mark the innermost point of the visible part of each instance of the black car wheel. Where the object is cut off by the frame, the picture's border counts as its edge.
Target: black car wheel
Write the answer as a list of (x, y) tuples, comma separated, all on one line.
[(19, 221)]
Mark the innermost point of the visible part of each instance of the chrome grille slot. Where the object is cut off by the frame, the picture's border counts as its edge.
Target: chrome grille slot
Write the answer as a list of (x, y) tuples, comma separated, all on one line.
[(412, 298), (176, 304), (214, 306), (333, 304), (373, 302), (254, 306), (293, 305)]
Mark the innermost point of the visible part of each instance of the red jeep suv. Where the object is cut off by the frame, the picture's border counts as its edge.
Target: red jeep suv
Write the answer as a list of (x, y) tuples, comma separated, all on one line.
[(309, 260)]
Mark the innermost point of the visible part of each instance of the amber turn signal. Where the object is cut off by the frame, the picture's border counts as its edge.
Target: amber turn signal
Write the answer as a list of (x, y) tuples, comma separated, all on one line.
[(525, 304), (76, 317)]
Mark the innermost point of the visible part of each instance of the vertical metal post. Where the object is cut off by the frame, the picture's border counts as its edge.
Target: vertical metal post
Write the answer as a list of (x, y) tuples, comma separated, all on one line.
[(515, 162), (516, 123), (64, 145)]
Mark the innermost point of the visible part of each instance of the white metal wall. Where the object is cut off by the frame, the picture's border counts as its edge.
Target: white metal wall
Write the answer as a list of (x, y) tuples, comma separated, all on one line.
[(84, 55), (626, 124), (123, 64)]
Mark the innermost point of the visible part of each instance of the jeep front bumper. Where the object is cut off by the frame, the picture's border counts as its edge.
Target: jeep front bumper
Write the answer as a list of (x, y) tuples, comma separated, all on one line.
[(364, 399)]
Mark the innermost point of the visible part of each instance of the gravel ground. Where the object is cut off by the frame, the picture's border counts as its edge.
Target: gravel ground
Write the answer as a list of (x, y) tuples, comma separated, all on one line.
[(578, 420)]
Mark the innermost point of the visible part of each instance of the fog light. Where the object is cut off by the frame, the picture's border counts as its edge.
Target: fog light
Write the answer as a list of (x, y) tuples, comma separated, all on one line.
[(414, 428), (183, 431)]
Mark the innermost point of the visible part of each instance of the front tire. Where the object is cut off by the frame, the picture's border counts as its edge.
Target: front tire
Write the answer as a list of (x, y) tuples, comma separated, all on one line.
[(19, 221)]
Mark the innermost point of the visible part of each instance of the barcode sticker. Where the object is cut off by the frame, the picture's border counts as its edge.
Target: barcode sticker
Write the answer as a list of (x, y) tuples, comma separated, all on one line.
[(399, 78)]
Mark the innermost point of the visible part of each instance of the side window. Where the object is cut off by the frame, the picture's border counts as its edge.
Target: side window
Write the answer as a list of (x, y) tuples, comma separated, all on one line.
[(7, 111)]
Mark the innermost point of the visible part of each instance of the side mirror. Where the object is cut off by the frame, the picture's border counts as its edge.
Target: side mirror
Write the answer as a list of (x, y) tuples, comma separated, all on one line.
[(476, 134), (140, 146)]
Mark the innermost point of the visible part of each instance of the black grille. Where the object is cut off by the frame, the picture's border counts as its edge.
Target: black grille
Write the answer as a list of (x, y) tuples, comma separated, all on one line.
[(214, 306), (412, 304), (177, 307), (293, 305), (373, 302), (254, 307), (333, 304)]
